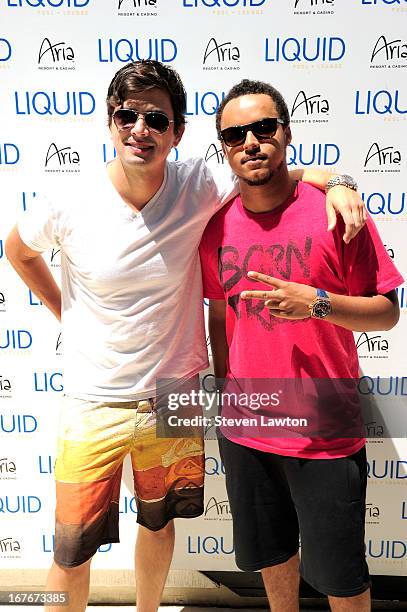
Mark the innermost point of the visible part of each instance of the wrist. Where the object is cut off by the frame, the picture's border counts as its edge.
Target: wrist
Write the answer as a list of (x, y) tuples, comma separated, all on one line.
[(341, 179)]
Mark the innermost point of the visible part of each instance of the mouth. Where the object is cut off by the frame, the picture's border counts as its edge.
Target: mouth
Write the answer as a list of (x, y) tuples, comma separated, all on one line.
[(253, 160), (139, 148)]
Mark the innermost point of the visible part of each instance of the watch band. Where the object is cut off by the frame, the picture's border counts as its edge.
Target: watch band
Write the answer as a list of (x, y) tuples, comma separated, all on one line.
[(341, 179)]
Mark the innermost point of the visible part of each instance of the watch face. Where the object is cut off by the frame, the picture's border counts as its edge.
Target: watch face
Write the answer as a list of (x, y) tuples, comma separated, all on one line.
[(321, 309)]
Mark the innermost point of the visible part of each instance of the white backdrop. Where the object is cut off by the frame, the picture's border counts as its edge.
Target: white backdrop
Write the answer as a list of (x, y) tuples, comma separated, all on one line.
[(341, 65)]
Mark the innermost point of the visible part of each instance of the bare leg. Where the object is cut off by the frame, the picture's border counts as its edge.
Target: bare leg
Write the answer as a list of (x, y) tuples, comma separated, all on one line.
[(74, 580), (358, 603), (282, 585), (153, 558)]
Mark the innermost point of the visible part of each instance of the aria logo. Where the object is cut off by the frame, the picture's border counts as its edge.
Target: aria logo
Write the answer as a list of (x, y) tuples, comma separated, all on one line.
[(314, 7), (7, 469), (372, 346), (55, 56), (2, 302), (214, 154), (310, 109), (390, 51), (62, 159), (382, 159), (390, 251), (55, 258), (10, 548), (137, 8), (216, 509), (221, 56), (372, 514), (374, 430), (58, 344), (5, 387)]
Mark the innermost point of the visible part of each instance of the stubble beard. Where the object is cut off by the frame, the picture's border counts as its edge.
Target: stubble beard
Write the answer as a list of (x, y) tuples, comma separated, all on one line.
[(259, 181)]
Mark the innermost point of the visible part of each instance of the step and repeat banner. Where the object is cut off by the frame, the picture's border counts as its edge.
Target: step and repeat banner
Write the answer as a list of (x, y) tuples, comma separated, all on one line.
[(342, 67)]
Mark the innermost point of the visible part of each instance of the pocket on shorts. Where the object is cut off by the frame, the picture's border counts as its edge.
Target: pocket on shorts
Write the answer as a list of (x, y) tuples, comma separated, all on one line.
[(355, 478)]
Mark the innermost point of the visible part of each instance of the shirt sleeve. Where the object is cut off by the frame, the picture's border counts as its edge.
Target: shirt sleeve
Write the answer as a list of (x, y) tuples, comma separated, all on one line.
[(224, 182), (209, 262), (368, 268), (39, 227)]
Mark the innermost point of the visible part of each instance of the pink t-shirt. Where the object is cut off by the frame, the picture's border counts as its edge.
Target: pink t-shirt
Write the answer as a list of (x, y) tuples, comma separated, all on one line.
[(291, 243)]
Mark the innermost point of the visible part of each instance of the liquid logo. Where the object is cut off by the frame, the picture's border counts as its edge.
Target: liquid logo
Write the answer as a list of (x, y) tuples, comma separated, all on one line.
[(223, 4), (61, 159), (391, 469), (322, 154), (55, 56), (48, 381), (18, 423), (221, 56), (48, 545), (384, 2), (321, 49), (5, 50), (309, 108), (16, 339), (30, 504), (380, 102), (382, 159), (386, 549), (49, 4), (52, 103), (206, 103), (9, 154), (385, 203), (209, 545), (164, 50)]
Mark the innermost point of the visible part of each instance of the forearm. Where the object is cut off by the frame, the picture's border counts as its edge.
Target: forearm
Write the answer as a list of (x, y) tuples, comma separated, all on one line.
[(314, 176), (376, 313), (219, 345), (37, 276)]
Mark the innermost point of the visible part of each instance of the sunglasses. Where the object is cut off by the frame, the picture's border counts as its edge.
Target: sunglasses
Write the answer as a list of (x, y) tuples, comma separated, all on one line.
[(262, 129), (156, 121)]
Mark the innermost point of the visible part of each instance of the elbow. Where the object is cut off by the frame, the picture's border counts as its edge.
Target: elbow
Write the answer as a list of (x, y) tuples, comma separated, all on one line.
[(392, 319)]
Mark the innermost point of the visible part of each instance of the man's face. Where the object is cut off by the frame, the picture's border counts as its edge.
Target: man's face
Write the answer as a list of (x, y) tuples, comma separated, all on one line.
[(141, 146), (256, 160)]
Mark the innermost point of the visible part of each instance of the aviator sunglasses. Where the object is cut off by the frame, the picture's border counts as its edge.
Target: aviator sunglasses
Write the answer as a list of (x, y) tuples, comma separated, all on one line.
[(264, 128), (156, 121)]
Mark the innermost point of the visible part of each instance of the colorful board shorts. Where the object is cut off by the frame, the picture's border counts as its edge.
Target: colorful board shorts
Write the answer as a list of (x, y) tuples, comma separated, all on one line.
[(93, 440)]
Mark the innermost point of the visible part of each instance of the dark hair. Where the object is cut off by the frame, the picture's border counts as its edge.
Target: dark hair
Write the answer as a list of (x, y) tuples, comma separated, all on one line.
[(146, 74), (247, 87)]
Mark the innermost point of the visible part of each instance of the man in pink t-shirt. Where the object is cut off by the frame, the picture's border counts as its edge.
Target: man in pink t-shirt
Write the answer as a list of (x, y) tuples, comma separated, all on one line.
[(285, 296)]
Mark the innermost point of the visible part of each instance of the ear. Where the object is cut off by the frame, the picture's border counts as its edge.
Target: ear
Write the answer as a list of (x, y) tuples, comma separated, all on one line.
[(287, 135), (178, 135)]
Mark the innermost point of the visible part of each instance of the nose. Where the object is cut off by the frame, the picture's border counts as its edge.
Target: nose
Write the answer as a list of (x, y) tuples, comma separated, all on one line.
[(140, 127), (251, 141)]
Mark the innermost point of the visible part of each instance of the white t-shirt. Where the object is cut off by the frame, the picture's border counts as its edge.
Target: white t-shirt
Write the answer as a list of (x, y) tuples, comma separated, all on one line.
[(131, 282)]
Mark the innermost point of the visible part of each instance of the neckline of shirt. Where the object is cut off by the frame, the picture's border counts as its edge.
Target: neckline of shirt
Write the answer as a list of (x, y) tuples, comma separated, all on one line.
[(270, 214), (125, 209)]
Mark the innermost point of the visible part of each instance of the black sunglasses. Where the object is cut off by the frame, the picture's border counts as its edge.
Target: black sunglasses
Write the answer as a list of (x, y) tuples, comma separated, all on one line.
[(156, 121), (264, 128)]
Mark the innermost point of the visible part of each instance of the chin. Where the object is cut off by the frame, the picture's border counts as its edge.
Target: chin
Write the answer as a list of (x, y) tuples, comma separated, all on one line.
[(260, 180)]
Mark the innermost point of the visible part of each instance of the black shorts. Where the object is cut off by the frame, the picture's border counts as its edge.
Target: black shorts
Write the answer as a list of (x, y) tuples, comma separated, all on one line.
[(274, 499)]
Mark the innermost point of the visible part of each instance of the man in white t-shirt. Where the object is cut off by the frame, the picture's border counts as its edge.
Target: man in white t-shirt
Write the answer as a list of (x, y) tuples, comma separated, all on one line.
[(131, 309)]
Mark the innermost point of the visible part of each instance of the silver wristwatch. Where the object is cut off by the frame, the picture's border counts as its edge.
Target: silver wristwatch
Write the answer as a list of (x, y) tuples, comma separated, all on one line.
[(341, 179)]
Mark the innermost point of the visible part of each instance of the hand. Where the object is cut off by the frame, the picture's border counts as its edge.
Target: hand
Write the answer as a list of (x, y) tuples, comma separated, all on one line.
[(286, 300), (347, 203)]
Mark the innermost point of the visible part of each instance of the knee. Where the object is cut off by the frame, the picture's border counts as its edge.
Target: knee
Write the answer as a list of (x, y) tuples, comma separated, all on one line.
[(161, 534), (77, 570)]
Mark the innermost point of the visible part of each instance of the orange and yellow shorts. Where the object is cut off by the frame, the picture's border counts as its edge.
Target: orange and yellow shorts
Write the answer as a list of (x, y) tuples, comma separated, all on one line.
[(93, 440)]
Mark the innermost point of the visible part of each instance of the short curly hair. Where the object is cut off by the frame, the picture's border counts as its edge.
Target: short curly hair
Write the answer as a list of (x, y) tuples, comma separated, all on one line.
[(139, 76), (247, 87)]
